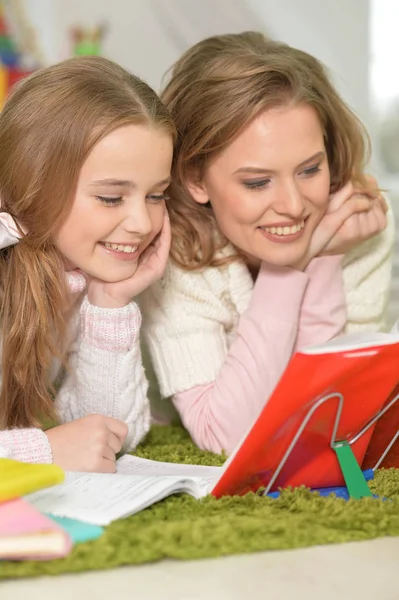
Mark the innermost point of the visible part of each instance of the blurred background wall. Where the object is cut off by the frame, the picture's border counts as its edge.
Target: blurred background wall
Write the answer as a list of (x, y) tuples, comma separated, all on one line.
[(147, 36)]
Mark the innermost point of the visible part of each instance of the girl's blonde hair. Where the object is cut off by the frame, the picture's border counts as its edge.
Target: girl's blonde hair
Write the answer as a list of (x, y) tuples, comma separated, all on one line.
[(47, 128), (216, 88)]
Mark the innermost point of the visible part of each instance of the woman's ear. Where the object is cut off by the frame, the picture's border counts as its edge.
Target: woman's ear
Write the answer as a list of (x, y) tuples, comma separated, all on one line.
[(197, 188)]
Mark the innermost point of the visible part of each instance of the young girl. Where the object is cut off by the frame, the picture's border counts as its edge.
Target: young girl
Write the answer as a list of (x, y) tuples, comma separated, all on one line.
[(85, 159), (278, 239)]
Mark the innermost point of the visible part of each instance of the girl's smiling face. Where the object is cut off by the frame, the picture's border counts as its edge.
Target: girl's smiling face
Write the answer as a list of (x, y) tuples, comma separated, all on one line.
[(119, 203)]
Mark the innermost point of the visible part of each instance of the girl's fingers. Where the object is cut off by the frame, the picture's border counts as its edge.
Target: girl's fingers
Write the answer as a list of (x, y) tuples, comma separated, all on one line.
[(162, 242)]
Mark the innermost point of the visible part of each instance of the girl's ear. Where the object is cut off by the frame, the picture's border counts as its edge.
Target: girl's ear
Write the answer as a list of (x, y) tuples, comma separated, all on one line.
[(197, 188)]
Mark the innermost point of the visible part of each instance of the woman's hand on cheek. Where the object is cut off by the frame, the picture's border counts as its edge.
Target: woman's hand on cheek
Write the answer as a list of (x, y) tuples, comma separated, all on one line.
[(151, 266), (352, 216), (359, 223)]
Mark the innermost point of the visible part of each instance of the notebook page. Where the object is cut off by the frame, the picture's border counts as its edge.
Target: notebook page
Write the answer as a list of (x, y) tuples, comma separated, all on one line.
[(99, 499)]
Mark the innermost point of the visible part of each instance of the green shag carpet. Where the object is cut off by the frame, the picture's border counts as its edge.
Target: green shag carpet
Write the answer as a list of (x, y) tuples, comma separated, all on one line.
[(183, 528)]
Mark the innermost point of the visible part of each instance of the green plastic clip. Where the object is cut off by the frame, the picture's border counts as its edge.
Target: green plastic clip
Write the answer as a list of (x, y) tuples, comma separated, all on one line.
[(353, 475)]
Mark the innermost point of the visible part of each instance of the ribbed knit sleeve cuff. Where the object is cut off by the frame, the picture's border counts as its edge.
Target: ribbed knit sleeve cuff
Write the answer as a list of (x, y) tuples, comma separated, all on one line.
[(114, 329), (29, 445)]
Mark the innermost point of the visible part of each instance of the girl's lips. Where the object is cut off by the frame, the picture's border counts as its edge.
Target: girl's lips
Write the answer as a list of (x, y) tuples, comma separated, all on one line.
[(120, 254), (133, 244)]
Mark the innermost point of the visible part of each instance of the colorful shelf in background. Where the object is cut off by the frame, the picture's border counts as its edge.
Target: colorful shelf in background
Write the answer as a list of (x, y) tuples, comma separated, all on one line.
[(12, 67)]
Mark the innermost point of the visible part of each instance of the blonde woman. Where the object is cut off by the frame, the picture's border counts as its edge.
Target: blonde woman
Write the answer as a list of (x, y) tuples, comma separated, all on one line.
[(278, 239)]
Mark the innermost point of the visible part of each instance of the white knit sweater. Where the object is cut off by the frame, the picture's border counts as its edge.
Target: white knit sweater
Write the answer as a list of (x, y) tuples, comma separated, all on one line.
[(105, 377), (190, 318)]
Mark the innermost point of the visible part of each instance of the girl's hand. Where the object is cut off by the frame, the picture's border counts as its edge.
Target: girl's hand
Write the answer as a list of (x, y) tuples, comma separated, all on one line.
[(352, 216), (152, 264), (88, 444)]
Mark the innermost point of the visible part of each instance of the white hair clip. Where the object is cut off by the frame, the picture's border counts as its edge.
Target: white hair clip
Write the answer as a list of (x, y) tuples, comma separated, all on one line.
[(9, 232)]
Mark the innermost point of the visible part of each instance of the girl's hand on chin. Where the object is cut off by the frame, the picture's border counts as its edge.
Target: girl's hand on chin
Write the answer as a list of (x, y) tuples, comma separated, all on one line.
[(151, 267), (353, 215)]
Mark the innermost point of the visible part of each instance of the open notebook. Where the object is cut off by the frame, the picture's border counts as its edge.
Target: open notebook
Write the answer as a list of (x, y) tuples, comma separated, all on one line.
[(100, 499), (329, 394)]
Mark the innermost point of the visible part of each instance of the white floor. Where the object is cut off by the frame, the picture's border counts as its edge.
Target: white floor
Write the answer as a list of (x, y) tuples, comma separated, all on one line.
[(358, 571)]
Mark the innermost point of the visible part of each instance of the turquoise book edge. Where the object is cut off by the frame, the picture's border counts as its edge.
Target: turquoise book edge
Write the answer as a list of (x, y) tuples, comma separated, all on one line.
[(78, 530)]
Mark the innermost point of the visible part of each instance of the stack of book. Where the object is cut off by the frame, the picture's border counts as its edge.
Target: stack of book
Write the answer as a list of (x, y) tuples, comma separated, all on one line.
[(25, 532)]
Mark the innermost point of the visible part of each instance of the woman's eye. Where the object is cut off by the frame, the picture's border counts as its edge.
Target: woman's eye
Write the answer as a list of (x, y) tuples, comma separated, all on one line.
[(157, 197), (311, 170), (109, 201), (256, 185)]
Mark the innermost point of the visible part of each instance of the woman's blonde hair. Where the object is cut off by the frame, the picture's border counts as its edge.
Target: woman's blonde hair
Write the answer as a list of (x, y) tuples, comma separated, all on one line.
[(216, 88), (47, 128)]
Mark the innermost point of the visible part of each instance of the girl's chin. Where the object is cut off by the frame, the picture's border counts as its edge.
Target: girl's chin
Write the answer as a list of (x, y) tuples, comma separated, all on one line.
[(107, 277)]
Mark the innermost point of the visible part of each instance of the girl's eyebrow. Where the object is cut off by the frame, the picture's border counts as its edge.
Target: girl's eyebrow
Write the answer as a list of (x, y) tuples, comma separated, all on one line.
[(125, 182), (113, 183)]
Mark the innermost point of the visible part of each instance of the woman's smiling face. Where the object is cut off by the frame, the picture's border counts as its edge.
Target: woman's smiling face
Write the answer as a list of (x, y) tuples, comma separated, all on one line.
[(270, 187)]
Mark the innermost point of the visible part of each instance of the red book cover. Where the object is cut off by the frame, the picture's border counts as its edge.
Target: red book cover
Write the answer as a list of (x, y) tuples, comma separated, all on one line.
[(385, 430), (363, 368)]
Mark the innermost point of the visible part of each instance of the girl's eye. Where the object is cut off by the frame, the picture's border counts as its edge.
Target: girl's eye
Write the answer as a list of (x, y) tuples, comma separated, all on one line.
[(311, 170), (259, 184), (157, 197), (109, 201)]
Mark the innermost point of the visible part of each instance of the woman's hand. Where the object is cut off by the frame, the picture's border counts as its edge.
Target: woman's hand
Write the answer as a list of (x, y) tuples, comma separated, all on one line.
[(353, 215), (152, 264), (360, 225)]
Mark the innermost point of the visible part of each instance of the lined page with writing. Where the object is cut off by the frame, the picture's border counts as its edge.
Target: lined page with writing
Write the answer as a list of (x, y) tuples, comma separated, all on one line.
[(99, 499)]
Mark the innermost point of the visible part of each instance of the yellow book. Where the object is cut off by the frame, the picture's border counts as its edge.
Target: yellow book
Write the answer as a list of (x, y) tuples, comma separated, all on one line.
[(3, 85), (18, 478)]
